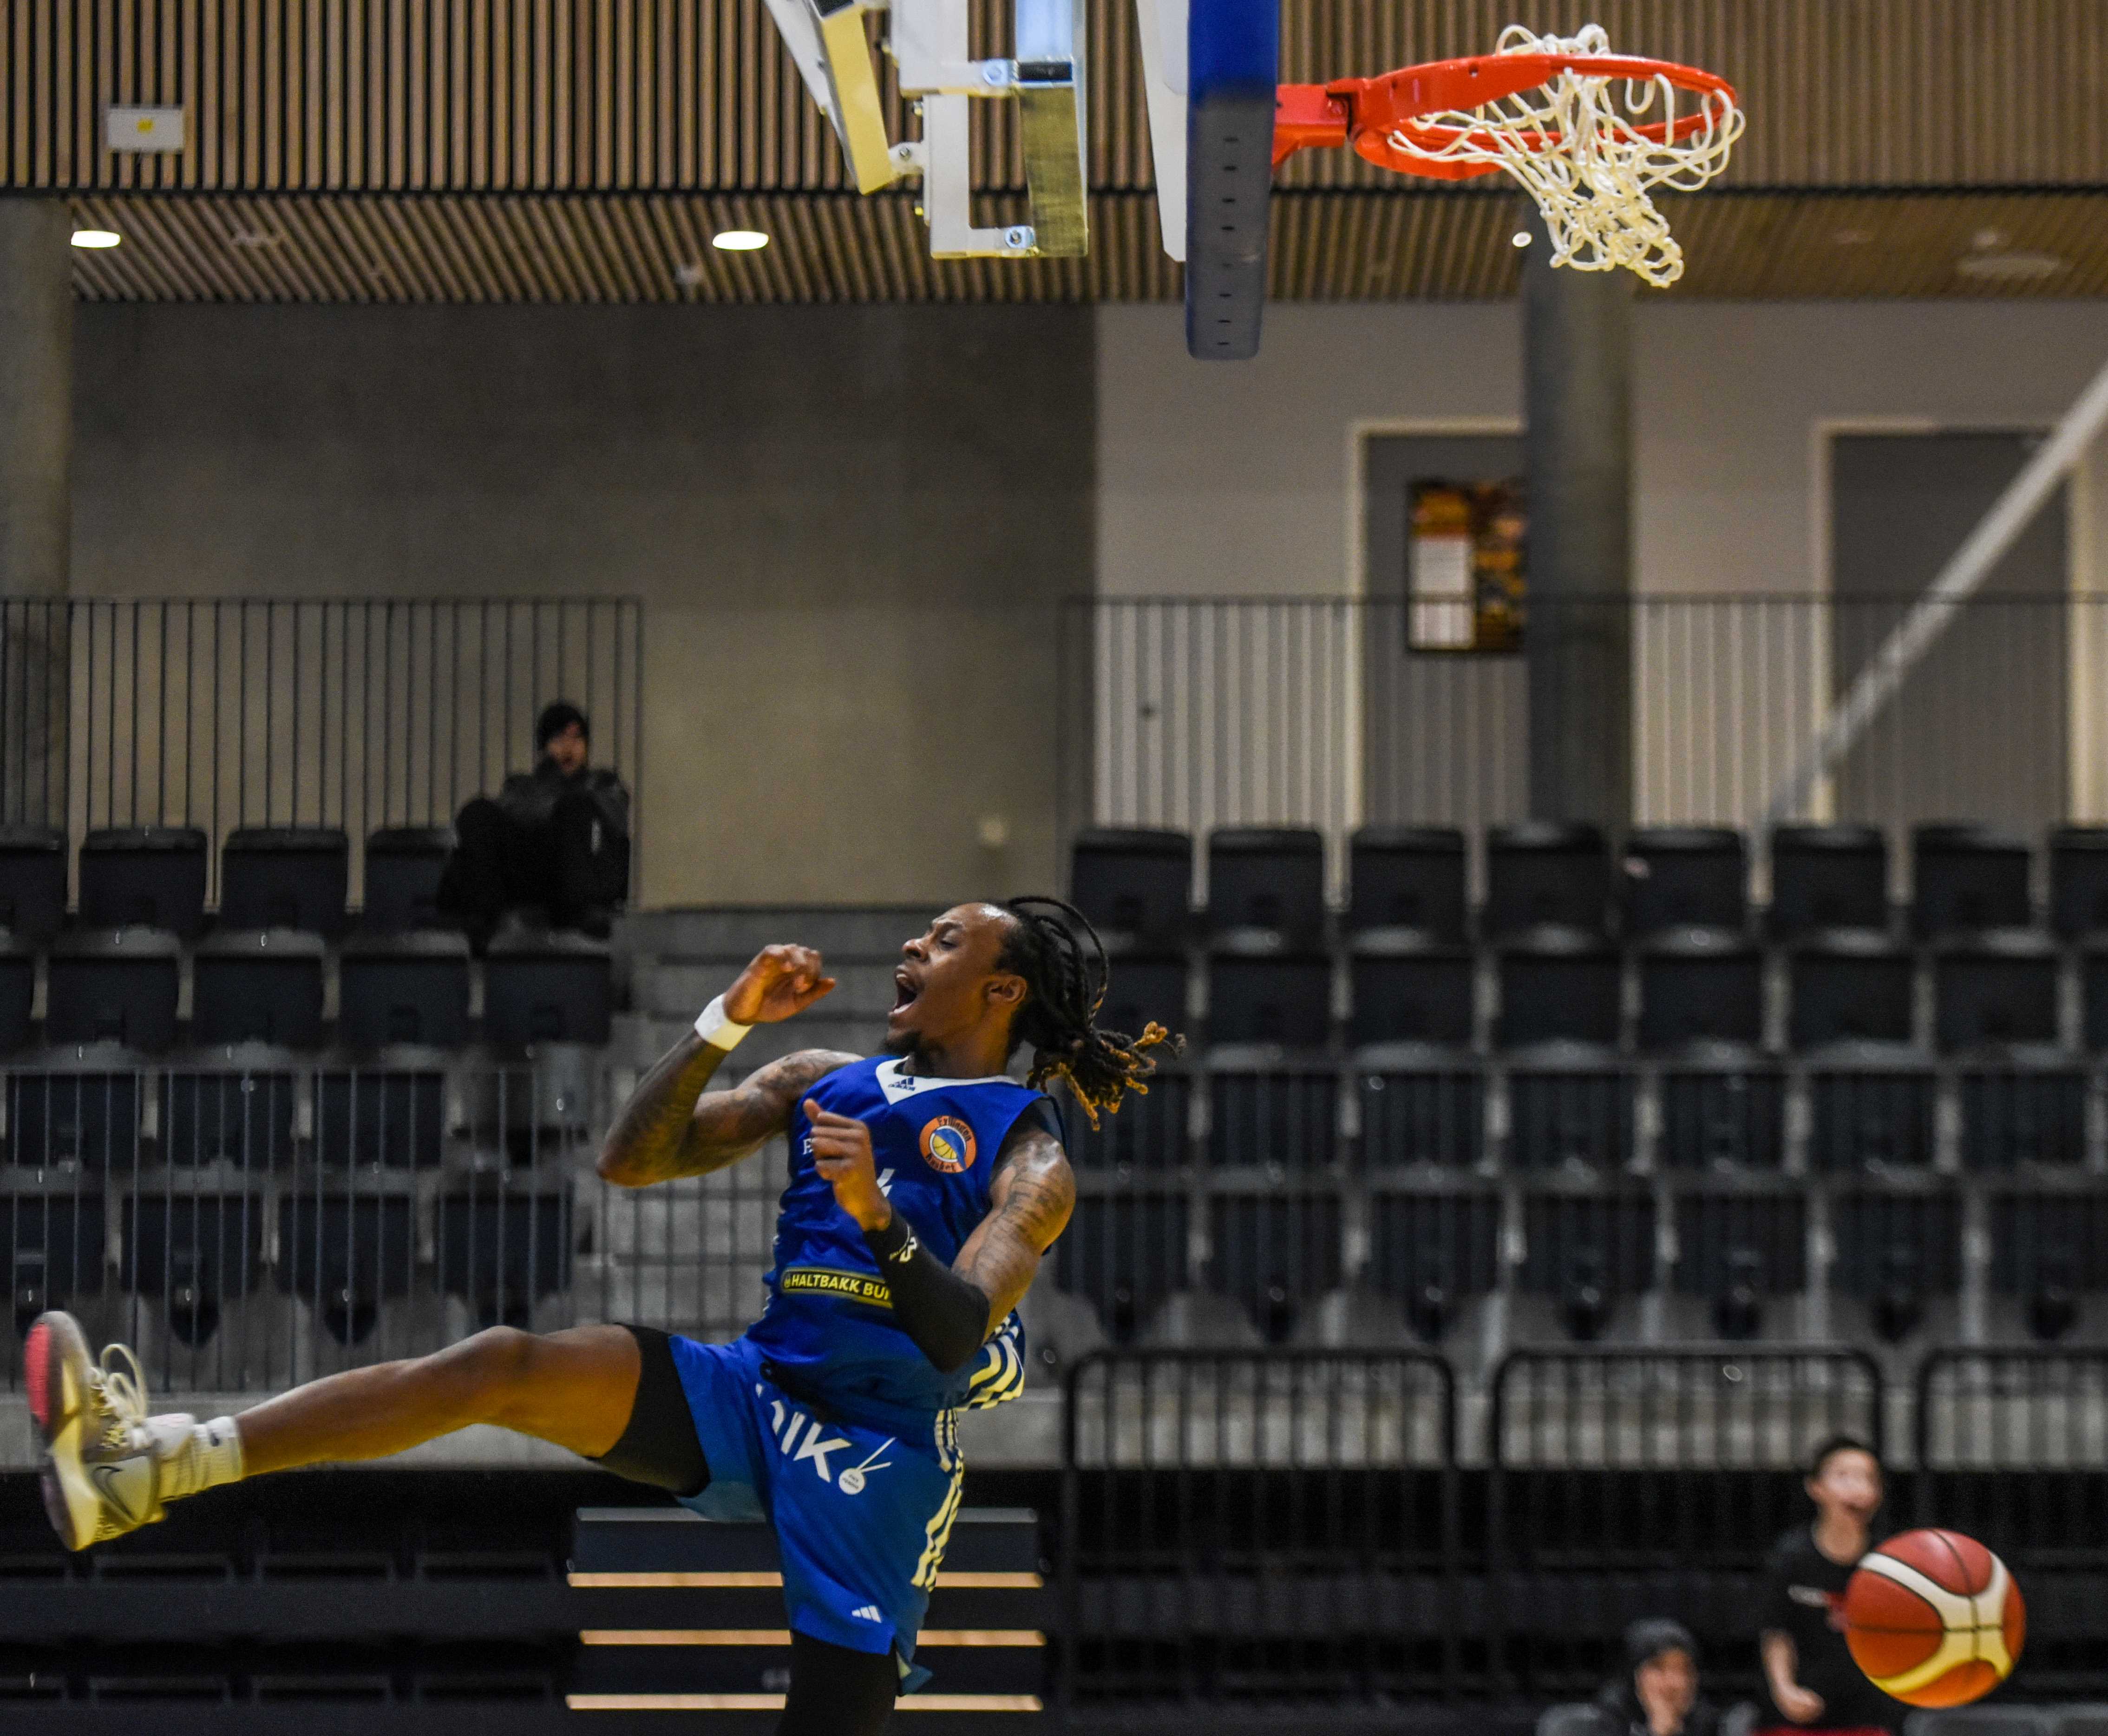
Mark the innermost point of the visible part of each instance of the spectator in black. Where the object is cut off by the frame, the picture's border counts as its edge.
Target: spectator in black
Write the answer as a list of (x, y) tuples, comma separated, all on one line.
[(557, 840), (1810, 1681), (1656, 1695)]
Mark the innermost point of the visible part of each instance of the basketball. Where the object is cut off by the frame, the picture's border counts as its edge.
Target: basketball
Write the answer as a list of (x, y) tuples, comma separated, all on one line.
[(1934, 1618)]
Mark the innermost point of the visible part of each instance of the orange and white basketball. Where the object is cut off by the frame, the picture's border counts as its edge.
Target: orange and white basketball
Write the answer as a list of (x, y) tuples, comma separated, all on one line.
[(1934, 1618)]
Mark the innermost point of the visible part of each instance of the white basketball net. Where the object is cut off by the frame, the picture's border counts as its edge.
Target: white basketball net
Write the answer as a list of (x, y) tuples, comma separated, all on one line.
[(1591, 184)]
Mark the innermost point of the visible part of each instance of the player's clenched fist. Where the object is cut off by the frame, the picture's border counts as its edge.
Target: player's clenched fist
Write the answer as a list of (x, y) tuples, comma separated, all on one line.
[(782, 981), (841, 1152)]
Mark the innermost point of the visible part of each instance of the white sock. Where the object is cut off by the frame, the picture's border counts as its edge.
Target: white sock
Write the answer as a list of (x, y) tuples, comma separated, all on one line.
[(207, 1454)]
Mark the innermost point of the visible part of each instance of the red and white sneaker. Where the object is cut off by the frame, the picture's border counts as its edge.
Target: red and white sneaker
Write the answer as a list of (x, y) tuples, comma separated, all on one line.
[(103, 1454)]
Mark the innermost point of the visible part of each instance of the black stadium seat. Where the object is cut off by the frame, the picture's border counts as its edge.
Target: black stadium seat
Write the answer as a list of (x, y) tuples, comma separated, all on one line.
[(1558, 982), (284, 877), (1738, 1251), (1410, 987), (1408, 877), (403, 867), (1272, 1112), (32, 882), (2048, 1251), (546, 988), (1269, 879), (409, 987), (1147, 1137), (1542, 872), (1275, 1252), (18, 991), (346, 1254), (1143, 986), (192, 1253), (1587, 1251), (503, 1250), (151, 876), (1135, 883), (1995, 987), (1257, 994), (1678, 877), (52, 1247), (1722, 1109), (1828, 877), (261, 986), (2023, 1113), (1848, 986), (388, 1118), (1420, 1104), (1896, 1251), (118, 987), (1968, 878), (1699, 985), (58, 1120), (1125, 1252), (243, 1118), (1431, 1253), (2078, 880), (1871, 1106)]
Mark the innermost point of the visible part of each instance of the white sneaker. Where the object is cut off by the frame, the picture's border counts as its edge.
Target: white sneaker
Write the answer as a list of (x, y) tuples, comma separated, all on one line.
[(103, 1454)]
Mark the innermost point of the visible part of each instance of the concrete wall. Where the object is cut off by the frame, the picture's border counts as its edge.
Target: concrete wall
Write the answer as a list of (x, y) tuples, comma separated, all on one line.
[(1217, 479), (849, 526)]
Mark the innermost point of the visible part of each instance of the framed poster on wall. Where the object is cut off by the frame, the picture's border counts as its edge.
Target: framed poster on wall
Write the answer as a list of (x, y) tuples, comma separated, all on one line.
[(1467, 565)]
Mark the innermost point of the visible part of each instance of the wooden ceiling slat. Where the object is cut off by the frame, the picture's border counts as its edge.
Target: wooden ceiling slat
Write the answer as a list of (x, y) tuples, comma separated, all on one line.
[(681, 95), (1329, 245)]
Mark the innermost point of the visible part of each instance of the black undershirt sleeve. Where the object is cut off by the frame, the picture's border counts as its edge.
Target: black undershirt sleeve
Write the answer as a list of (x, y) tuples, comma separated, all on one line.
[(945, 1314)]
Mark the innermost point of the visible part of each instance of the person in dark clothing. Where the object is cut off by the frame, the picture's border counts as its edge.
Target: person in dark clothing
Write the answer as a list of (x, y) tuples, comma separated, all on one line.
[(1811, 1681), (555, 839), (1656, 1695)]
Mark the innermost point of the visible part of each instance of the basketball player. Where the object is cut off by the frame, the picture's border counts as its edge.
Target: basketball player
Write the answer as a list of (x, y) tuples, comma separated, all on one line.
[(924, 1190)]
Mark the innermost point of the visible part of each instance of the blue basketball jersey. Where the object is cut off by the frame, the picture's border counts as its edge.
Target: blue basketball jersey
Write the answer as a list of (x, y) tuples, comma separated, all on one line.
[(828, 1327)]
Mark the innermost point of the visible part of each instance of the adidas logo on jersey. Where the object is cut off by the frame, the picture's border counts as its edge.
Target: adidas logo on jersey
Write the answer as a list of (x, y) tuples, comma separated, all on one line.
[(869, 1612)]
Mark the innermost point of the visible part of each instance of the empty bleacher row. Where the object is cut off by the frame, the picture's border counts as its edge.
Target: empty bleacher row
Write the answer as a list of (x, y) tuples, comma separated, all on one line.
[(281, 962), (281, 1095), (1601, 1081)]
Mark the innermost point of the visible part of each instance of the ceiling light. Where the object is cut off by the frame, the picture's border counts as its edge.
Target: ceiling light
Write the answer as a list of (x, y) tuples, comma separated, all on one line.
[(96, 237), (2011, 267), (1521, 238), (738, 240), (691, 276)]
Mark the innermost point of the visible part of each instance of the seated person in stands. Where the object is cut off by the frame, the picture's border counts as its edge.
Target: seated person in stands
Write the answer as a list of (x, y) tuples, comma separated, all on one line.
[(557, 840), (1657, 1693), (1811, 1681)]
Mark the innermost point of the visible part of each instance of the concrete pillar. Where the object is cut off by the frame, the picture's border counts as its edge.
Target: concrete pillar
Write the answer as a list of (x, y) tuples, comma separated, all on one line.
[(36, 503), (1577, 338), (36, 396)]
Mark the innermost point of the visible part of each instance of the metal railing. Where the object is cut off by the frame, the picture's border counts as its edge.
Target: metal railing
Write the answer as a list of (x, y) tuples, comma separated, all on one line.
[(361, 714), (1241, 1524), (248, 1226), (1197, 712)]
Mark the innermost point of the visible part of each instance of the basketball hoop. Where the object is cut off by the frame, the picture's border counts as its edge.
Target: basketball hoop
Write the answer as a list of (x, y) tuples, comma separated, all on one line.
[(1587, 132)]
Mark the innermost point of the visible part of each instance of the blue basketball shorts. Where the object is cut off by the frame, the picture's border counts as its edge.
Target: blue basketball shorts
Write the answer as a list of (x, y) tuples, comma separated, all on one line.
[(860, 1517)]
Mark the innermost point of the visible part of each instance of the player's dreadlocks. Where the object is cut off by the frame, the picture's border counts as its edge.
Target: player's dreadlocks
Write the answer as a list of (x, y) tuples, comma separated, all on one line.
[(1065, 987)]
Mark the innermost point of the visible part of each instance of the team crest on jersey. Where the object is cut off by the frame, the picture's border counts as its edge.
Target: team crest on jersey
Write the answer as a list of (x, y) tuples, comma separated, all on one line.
[(947, 1144)]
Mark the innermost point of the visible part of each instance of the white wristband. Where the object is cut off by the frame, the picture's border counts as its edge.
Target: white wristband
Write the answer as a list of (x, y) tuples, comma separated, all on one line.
[(716, 1030)]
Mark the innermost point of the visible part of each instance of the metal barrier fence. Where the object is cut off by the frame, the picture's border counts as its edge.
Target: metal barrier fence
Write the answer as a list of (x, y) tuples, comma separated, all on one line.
[(1632, 1483), (1195, 712), (219, 713), (1241, 1524), (247, 1227), (2012, 1449)]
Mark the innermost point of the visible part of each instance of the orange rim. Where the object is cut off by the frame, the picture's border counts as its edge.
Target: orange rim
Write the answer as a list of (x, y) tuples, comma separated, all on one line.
[(1365, 113)]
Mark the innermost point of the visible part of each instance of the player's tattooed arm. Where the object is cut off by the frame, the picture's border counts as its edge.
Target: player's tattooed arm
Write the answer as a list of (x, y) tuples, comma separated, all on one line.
[(1029, 1202), (669, 1129)]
